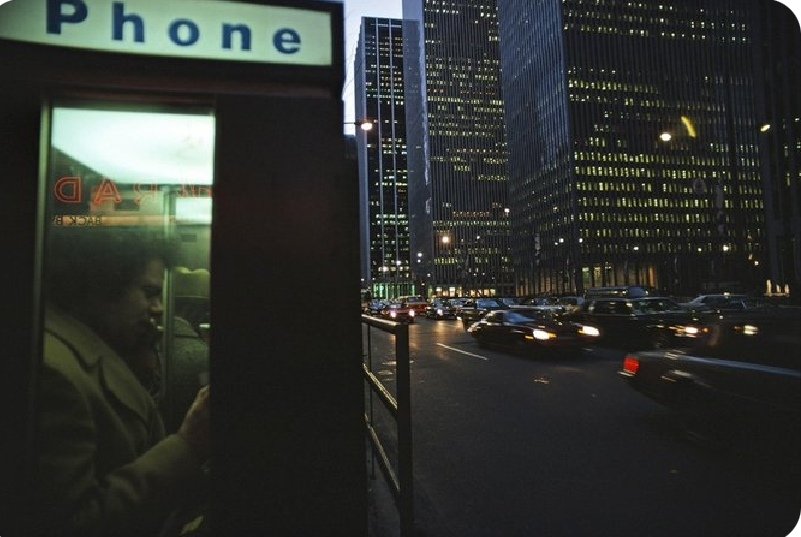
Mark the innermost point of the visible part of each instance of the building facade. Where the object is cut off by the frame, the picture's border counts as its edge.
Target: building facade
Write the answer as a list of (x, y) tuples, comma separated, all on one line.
[(634, 143), (459, 214), (383, 176)]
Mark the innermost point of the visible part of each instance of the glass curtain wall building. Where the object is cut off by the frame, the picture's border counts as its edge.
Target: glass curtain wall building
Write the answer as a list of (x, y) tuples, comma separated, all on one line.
[(633, 132), (383, 175), (457, 160)]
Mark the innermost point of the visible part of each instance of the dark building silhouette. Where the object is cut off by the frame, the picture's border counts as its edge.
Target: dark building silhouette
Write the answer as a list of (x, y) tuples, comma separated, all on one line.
[(634, 142), (459, 214), (780, 56)]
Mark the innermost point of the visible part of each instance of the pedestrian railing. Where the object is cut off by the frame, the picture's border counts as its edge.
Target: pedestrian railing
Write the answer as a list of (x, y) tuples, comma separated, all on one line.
[(399, 407)]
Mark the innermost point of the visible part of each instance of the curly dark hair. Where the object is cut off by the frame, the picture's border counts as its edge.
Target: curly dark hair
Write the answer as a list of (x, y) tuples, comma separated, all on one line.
[(99, 262)]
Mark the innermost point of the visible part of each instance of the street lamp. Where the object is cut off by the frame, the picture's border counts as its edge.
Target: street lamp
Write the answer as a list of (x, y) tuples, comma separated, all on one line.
[(365, 124)]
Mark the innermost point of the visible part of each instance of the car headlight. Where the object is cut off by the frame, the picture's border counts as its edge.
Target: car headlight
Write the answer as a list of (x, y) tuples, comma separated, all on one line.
[(589, 331), (440, 312), (411, 313), (393, 313), (690, 331), (542, 335)]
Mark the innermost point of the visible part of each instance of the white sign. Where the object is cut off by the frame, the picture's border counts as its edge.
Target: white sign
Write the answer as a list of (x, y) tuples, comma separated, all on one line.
[(206, 29)]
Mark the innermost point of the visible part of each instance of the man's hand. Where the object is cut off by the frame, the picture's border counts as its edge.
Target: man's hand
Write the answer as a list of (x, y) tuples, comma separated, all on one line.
[(195, 428)]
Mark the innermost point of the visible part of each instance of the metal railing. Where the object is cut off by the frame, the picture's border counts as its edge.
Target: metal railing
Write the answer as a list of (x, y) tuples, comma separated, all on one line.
[(400, 408)]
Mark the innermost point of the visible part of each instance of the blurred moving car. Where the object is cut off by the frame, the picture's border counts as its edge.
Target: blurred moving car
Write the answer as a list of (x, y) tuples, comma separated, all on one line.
[(473, 310), (739, 383), (635, 323), (441, 309), (527, 330), (398, 311)]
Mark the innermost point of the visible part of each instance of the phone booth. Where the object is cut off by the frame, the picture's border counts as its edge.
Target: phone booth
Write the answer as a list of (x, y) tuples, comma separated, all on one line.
[(217, 124)]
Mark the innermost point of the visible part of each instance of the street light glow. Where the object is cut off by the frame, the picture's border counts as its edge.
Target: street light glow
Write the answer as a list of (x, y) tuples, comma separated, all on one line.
[(765, 127), (665, 137)]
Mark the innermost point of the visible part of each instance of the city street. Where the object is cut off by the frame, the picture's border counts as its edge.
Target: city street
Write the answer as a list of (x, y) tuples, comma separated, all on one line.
[(511, 446)]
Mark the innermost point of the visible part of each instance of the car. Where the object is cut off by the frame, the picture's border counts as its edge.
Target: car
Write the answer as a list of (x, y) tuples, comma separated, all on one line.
[(570, 303), (544, 303), (398, 311), (635, 323), (417, 303), (739, 384), (441, 309), (709, 302), (375, 306), (474, 310), (530, 330), (618, 291), (539, 301)]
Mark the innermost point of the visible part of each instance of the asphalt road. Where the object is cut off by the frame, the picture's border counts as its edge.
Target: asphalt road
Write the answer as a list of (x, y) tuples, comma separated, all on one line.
[(511, 446)]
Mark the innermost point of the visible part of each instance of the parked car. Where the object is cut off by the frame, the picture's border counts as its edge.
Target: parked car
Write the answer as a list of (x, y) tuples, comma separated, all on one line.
[(739, 383), (474, 310), (528, 330), (441, 309), (398, 311), (636, 323)]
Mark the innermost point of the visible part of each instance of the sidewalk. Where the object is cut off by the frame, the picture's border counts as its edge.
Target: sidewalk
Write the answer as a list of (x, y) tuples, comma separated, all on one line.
[(382, 515)]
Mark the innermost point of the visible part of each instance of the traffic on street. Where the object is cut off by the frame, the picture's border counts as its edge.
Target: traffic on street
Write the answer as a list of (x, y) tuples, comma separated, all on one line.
[(559, 444)]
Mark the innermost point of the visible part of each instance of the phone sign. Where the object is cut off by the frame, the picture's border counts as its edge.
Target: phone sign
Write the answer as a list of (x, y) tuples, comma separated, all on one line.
[(203, 29)]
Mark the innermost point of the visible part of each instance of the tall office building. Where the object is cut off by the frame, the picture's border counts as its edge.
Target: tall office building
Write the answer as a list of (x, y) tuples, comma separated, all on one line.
[(459, 213), (781, 148), (634, 137), (378, 91)]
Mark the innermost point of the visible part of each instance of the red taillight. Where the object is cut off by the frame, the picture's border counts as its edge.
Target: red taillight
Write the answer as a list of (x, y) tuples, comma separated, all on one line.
[(631, 364)]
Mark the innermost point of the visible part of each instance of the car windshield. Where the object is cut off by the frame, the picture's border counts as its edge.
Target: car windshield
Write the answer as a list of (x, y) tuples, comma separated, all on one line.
[(525, 316), (488, 303), (651, 306)]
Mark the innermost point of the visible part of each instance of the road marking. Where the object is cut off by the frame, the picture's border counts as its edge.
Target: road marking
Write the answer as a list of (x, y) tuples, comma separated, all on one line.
[(464, 352)]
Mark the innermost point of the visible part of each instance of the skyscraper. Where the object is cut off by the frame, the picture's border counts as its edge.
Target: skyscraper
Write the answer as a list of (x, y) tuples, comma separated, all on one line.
[(459, 213), (379, 95), (633, 131), (781, 148)]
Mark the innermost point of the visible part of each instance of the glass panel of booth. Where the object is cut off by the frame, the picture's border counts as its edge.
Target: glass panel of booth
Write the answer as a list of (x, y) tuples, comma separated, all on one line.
[(124, 181)]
